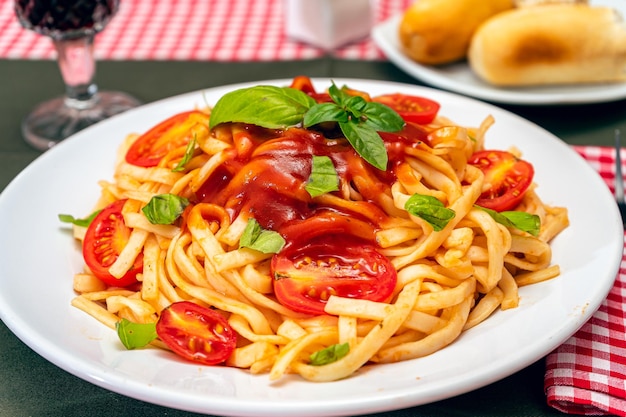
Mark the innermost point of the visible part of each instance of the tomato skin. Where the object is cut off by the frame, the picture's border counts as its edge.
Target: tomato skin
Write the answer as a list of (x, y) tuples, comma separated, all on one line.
[(105, 238), (304, 84), (196, 333), (305, 276), (148, 149), (509, 178), (413, 109)]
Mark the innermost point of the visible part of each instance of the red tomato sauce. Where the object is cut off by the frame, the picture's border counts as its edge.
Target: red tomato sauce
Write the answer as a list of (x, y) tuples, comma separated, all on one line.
[(266, 177)]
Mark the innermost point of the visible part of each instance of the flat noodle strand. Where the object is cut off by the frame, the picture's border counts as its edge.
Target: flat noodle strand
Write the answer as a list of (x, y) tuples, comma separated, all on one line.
[(448, 281)]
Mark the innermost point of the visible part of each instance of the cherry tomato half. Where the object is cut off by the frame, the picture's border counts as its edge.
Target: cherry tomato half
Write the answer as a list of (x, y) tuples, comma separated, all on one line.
[(148, 149), (105, 238), (506, 176), (306, 276), (414, 109), (196, 333), (304, 84)]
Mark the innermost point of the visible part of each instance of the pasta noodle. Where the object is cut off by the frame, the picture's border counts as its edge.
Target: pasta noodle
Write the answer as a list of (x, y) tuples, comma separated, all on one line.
[(447, 281)]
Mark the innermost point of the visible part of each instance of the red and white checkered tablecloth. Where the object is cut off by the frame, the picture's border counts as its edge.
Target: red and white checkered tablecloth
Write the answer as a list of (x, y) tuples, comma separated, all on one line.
[(196, 30), (587, 374)]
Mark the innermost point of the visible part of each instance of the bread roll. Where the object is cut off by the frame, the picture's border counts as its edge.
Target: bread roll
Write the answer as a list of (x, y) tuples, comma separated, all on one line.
[(439, 31), (550, 44)]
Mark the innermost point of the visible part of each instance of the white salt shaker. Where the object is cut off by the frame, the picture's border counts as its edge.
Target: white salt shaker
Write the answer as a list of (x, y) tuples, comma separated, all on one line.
[(328, 24)]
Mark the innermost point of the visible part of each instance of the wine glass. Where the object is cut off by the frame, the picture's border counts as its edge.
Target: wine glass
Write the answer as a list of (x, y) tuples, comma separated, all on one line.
[(72, 25)]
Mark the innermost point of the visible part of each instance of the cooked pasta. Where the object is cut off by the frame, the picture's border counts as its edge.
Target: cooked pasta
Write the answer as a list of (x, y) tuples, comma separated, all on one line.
[(444, 281)]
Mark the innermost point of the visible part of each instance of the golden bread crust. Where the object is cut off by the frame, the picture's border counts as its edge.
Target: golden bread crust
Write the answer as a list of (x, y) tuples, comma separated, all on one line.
[(550, 44), (437, 32)]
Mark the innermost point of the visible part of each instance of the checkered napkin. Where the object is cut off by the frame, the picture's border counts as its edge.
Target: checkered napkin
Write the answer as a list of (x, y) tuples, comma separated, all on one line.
[(193, 30), (587, 374)]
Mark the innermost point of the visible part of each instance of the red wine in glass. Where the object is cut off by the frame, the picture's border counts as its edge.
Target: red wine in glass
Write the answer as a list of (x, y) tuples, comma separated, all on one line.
[(59, 18), (72, 25)]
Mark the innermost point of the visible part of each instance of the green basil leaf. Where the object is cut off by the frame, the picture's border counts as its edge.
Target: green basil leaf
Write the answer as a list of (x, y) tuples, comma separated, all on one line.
[(430, 209), (526, 222), (338, 95), (135, 335), (323, 178), (264, 105), (85, 222), (324, 112), (187, 156), (257, 238), (352, 104), (382, 118), (367, 142), (330, 354), (356, 105), (164, 208)]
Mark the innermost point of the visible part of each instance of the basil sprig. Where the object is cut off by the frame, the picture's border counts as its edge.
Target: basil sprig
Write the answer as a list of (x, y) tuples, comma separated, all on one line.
[(526, 222), (359, 121), (430, 209), (164, 208), (85, 222), (191, 146), (264, 105), (257, 238), (135, 335), (281, 107), (323, 178), (329, 355)]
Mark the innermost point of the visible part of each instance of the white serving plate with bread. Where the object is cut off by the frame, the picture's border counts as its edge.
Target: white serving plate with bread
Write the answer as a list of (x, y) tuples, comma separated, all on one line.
[(460, 78)]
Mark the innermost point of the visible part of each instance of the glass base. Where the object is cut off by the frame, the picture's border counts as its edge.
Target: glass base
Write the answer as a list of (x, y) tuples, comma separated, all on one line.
[(54, 120)]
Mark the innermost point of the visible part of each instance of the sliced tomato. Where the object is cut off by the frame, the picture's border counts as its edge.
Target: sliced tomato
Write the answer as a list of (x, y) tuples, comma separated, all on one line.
[(148, 149), (196, 333), (413, 109), (105, 238), (506, 178), (304, 84), (306, 276)]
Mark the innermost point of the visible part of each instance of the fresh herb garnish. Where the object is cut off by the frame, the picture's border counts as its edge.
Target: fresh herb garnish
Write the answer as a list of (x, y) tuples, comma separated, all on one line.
[(323, 178), (526, 222), (191, 145), (330, 354), (135, 335), (359, 121), (85, 222), (430, 209), (264, 105), (281, 107), (257, 238), (164, 208), (324, 112)]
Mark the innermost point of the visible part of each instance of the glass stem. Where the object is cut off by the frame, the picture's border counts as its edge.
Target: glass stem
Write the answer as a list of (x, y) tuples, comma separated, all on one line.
[(78, 68)]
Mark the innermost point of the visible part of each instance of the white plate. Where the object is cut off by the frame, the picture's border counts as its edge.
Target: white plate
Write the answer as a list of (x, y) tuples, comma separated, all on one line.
[(38, 258), (458, 77)]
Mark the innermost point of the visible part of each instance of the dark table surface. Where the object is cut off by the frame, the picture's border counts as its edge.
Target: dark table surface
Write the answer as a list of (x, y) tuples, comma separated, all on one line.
[(32, 386)]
